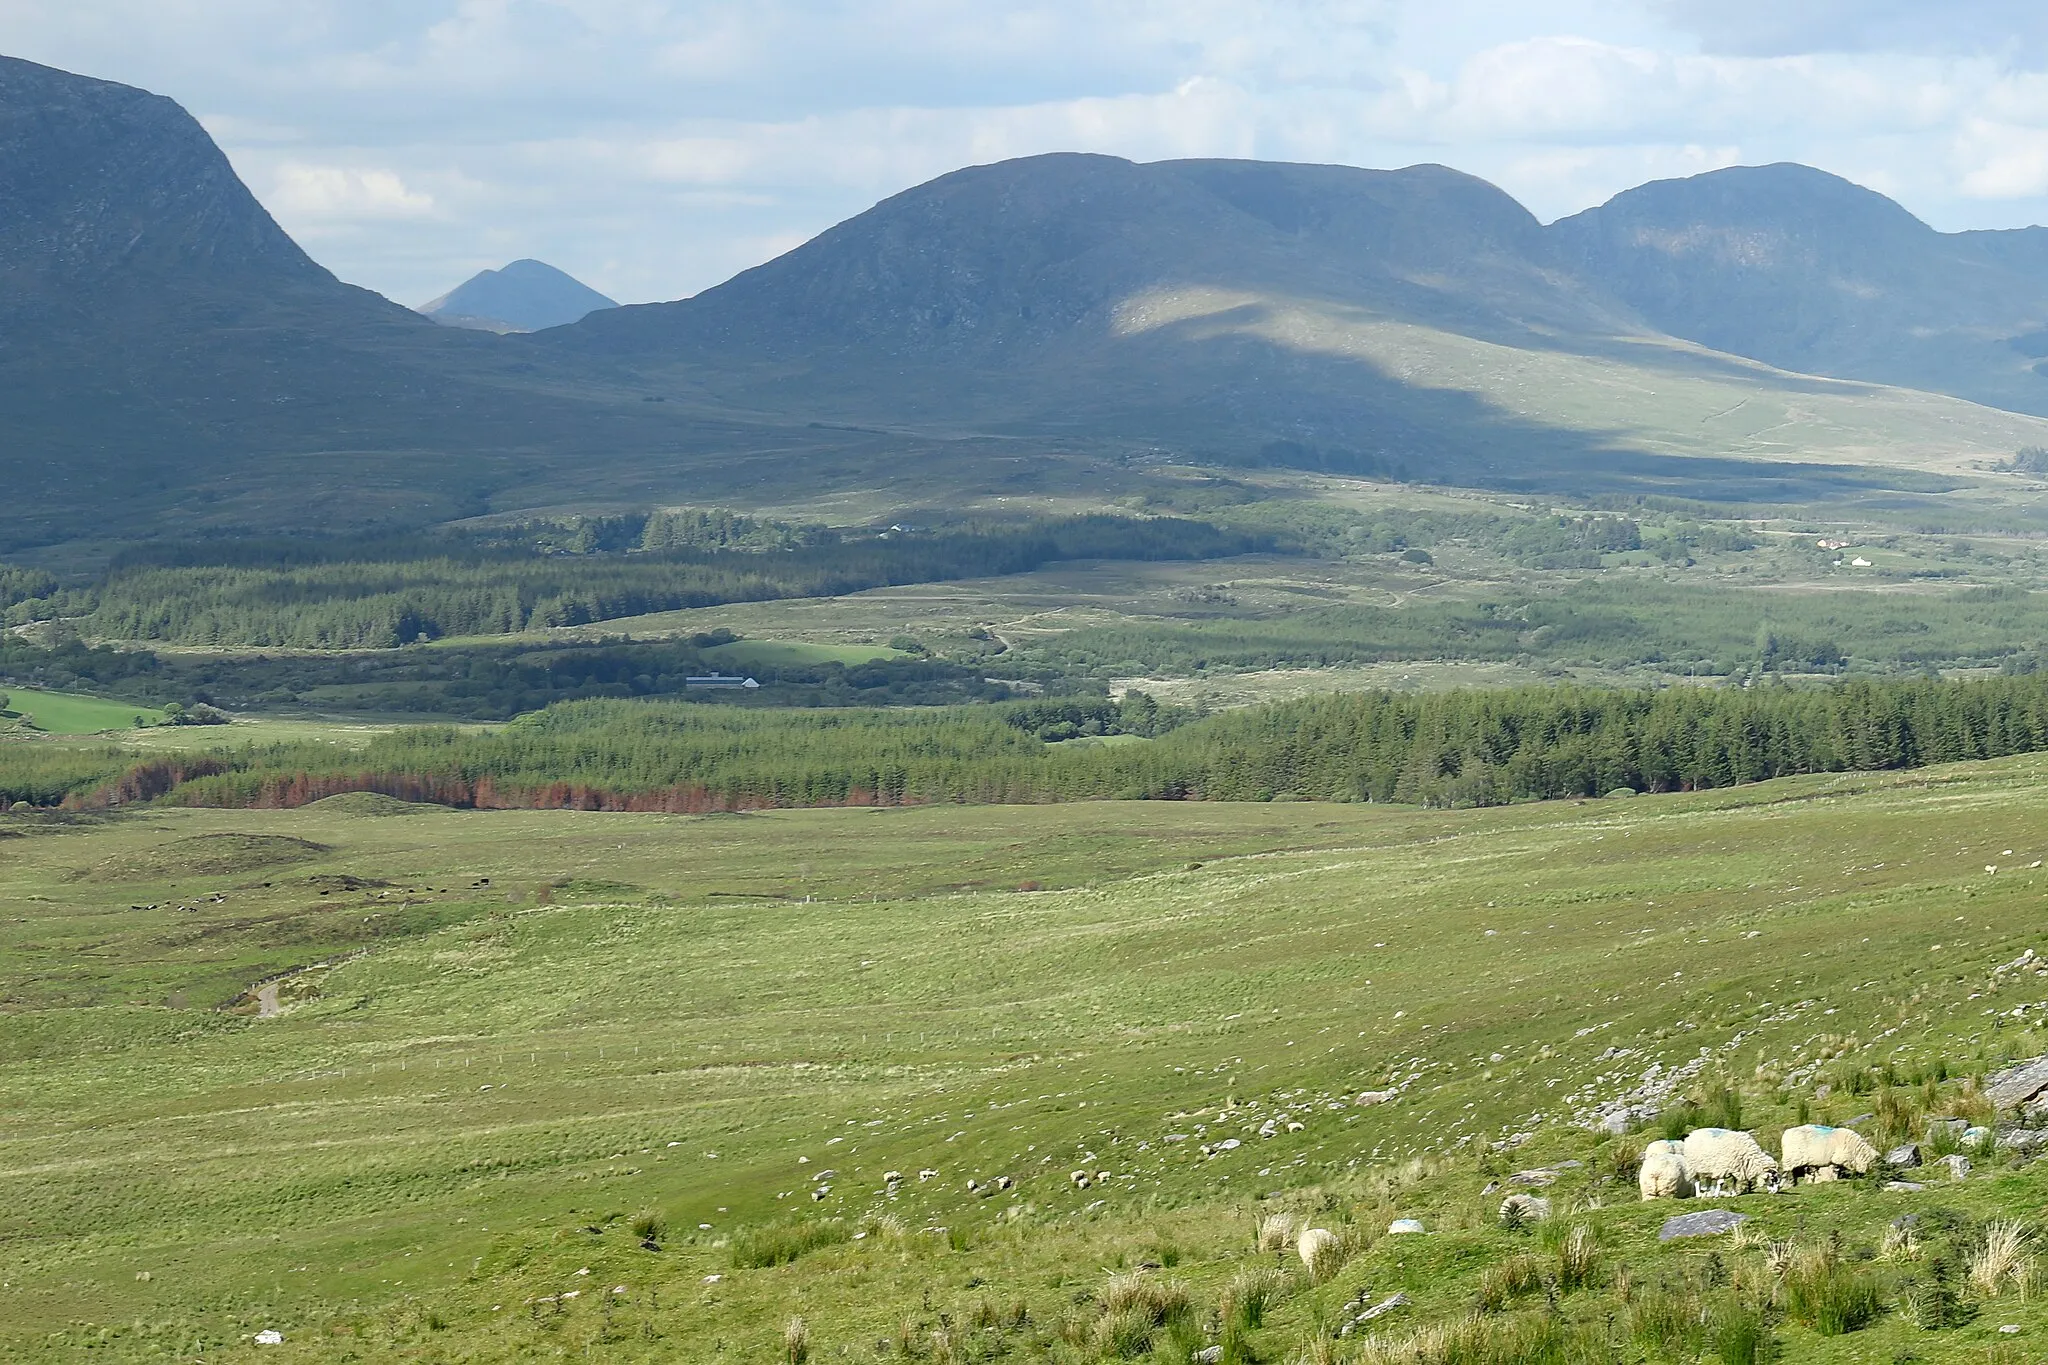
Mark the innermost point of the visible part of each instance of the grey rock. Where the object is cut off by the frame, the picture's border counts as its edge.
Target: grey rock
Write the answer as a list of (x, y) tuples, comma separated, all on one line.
[(2014, 1086), (1958, 1166), (1384, 1306), (1208, 1355), (1537, 1179), (2023, 1139), (1568, 1166), (1859, 1120), (1906, 1220), (1953, 1127), (1906, 1154), (1705, 1223), (1904, 1186)]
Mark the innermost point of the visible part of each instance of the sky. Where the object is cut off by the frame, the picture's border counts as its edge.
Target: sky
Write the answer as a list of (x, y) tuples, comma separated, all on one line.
[(653, 148)]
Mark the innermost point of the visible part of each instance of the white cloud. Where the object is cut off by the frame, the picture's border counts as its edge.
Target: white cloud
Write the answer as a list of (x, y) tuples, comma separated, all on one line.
[(318, 194), (2002, 162)]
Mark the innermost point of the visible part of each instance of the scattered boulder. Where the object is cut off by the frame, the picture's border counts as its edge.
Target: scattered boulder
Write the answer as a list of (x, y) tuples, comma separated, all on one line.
[(1208, 1355), (1954, 1128), (1528, 1208), (1705, 1223), (1904, 1186), (1905, 1156), (1958, 1166), (2014, 1086), (1404, 1225), (1533, 1179), (2023, 1139)]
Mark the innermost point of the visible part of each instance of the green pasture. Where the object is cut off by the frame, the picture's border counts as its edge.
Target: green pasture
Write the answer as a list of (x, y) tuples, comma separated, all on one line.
[(742, 654), (64, 713), (397, 1082)]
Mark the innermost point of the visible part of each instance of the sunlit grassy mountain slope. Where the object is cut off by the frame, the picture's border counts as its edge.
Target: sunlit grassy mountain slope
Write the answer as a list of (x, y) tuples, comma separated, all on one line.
[(1414, 322)]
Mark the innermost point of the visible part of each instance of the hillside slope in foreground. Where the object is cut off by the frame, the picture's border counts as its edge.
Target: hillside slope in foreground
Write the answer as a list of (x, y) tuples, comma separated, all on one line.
[(423, 1084)]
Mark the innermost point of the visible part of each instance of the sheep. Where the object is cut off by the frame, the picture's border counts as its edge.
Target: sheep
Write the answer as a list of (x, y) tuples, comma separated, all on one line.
[(1823, 1153), (927, 1174), (1728, 1162), (1080, 1179), (1663, 1175), (892, 1177), (1664, 1147), (1315, 1244)]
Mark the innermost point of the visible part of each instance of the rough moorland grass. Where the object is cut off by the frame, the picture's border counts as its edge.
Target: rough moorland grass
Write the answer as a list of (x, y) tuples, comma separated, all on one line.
[(465, 1106)]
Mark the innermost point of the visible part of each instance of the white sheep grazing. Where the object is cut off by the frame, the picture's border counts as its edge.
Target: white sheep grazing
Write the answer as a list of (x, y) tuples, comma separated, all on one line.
[(1080, 1179), (1664, 1175), (1822, 1153), (1664, 1147), (1315, 1244), (1725, 1162)]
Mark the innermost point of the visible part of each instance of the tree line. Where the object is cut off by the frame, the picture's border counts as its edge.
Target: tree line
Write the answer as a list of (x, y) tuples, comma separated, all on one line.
[(1458, 748)]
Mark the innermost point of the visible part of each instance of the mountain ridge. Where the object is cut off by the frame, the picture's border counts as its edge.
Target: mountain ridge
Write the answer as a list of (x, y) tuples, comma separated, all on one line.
[(169, 356)]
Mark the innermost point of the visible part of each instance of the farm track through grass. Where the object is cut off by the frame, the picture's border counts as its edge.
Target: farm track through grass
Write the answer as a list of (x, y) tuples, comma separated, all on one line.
[(473, 1086)]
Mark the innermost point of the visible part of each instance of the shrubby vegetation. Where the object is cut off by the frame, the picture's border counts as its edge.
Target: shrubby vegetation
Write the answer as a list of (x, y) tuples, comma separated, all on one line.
[(1694, 630), (314, 596), (1533, 540)]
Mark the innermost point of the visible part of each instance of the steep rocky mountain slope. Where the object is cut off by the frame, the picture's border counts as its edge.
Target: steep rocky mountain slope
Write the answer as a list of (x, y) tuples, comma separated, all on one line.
[(170, 358), (525, 296)]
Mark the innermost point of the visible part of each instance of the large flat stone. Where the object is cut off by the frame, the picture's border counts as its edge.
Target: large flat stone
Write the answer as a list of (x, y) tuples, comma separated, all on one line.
[(2015, 1085), (1705, 1223)]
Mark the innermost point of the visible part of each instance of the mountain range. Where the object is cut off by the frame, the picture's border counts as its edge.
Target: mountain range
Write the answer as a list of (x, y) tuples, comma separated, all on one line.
[(169, 356), (525, 296)]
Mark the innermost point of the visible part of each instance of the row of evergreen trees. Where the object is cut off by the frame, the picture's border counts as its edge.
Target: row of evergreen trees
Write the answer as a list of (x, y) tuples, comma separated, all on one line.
[(1453, 748)]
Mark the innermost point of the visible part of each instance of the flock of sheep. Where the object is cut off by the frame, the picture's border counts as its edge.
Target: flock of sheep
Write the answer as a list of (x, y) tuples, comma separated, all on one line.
[(1720, 1161)]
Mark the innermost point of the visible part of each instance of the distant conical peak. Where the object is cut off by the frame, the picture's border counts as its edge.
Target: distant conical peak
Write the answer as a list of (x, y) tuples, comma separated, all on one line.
[(524, 296)]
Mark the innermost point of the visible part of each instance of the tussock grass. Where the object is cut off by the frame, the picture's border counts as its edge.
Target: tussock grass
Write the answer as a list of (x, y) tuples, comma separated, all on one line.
[(1501, 1282), (2000, 1262), (1827, 1294), (781, 1243)]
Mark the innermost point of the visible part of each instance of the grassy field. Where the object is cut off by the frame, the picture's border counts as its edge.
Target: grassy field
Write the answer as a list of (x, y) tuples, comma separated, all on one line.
[(62, 713), (397, 1083), (743, 654)]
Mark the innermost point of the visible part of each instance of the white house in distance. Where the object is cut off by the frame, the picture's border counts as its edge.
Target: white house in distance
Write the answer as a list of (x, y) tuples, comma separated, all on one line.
[(719, 680)]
